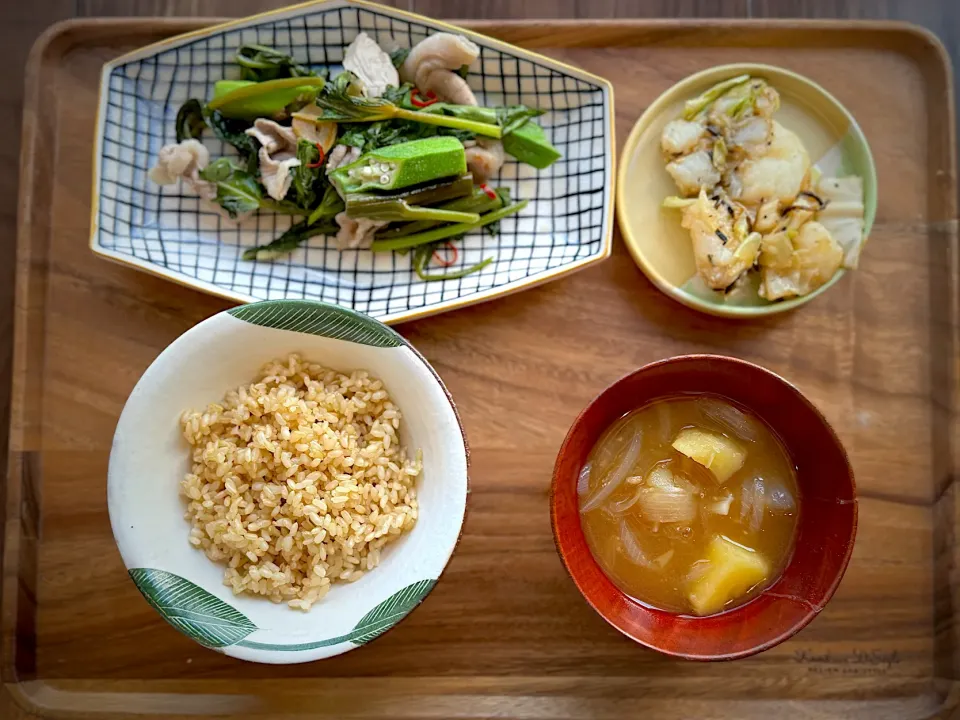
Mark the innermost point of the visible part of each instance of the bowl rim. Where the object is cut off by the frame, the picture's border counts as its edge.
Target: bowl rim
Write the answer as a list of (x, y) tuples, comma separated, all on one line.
[(653, 111), (402, 342), (811, 611)]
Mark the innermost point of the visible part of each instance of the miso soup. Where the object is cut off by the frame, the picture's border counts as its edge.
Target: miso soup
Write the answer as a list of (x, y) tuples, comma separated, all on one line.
[(690, 505)]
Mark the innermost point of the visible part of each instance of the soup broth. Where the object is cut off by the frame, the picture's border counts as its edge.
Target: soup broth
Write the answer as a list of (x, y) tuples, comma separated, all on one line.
[(690, 505)]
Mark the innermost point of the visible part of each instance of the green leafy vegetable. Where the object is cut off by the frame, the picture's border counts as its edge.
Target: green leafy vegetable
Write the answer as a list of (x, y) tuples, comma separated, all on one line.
[(425, 194), (371, 136), (256, 102), (259, 63), (282, 207), (346, 84), (464, 71), (224, 87), (422, 256), (446, 231), (392, 119), (398, 206), (290, 240), (190, 122), (237, 190), (341, 107), (305, 178), (231, 131), (264, 99), (529, 144), (477, 202), (513, 117), (399, 96), (399, 57), (509, 117), (330, 205), (477, 113), (394, 209)]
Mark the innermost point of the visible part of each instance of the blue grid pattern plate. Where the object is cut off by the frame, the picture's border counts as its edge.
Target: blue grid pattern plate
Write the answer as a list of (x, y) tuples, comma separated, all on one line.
[(166, 231)]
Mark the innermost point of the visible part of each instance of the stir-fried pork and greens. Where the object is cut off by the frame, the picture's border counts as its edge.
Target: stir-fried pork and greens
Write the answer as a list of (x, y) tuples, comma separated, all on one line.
[(751, 199), (392, 154)]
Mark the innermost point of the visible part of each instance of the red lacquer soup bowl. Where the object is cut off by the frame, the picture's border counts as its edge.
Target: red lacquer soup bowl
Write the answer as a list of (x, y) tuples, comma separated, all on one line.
[(825, 533)]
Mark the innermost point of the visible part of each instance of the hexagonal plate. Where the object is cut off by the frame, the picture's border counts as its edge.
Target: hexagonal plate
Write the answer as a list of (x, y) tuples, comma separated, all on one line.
[(169, 232)]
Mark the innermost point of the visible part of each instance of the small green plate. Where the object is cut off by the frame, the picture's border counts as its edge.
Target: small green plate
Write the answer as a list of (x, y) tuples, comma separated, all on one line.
[(653, 235)]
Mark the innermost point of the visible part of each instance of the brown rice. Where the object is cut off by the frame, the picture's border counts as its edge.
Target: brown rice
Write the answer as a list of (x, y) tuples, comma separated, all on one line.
[(298, 480)]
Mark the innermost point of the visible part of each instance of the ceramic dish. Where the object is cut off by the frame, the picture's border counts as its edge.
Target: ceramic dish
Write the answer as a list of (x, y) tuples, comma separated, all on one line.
[(657, 242), (149, 459), (567, 225), (825, 533)]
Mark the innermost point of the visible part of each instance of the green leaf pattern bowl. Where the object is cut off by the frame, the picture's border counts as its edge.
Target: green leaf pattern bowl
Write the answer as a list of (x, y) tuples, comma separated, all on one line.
[(149, 458)]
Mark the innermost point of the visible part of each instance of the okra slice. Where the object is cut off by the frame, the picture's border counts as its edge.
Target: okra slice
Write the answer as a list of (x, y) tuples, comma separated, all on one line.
[(402, 165)]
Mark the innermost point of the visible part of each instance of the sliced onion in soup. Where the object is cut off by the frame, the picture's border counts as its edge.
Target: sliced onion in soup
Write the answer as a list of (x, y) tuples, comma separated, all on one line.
[(667, 505), (753, 503), (607, 453), (779, 496), (762, 494), (728, 418), (631, 546), (615, 477), (663, 477), (583, 481), (620, 507), (662, 560), (660, 477)]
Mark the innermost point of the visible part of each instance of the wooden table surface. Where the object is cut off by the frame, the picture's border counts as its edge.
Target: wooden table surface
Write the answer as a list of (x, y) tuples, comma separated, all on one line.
[(22, 22)]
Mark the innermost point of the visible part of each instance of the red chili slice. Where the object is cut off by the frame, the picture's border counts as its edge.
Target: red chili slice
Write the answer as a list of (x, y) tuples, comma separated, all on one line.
[(420, 100), (319, 162), (490, 193), (454, 254)]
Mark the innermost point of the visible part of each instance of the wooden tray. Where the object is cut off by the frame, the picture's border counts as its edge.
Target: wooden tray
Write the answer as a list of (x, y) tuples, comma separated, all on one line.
[(506, 633)]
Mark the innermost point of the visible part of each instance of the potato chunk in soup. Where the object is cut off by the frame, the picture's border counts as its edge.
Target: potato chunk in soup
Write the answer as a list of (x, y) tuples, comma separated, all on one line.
[(731, 570), (716, 452)]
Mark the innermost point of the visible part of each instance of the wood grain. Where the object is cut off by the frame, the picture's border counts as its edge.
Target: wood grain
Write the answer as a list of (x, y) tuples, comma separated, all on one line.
[(491, 9), (505, 633)]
